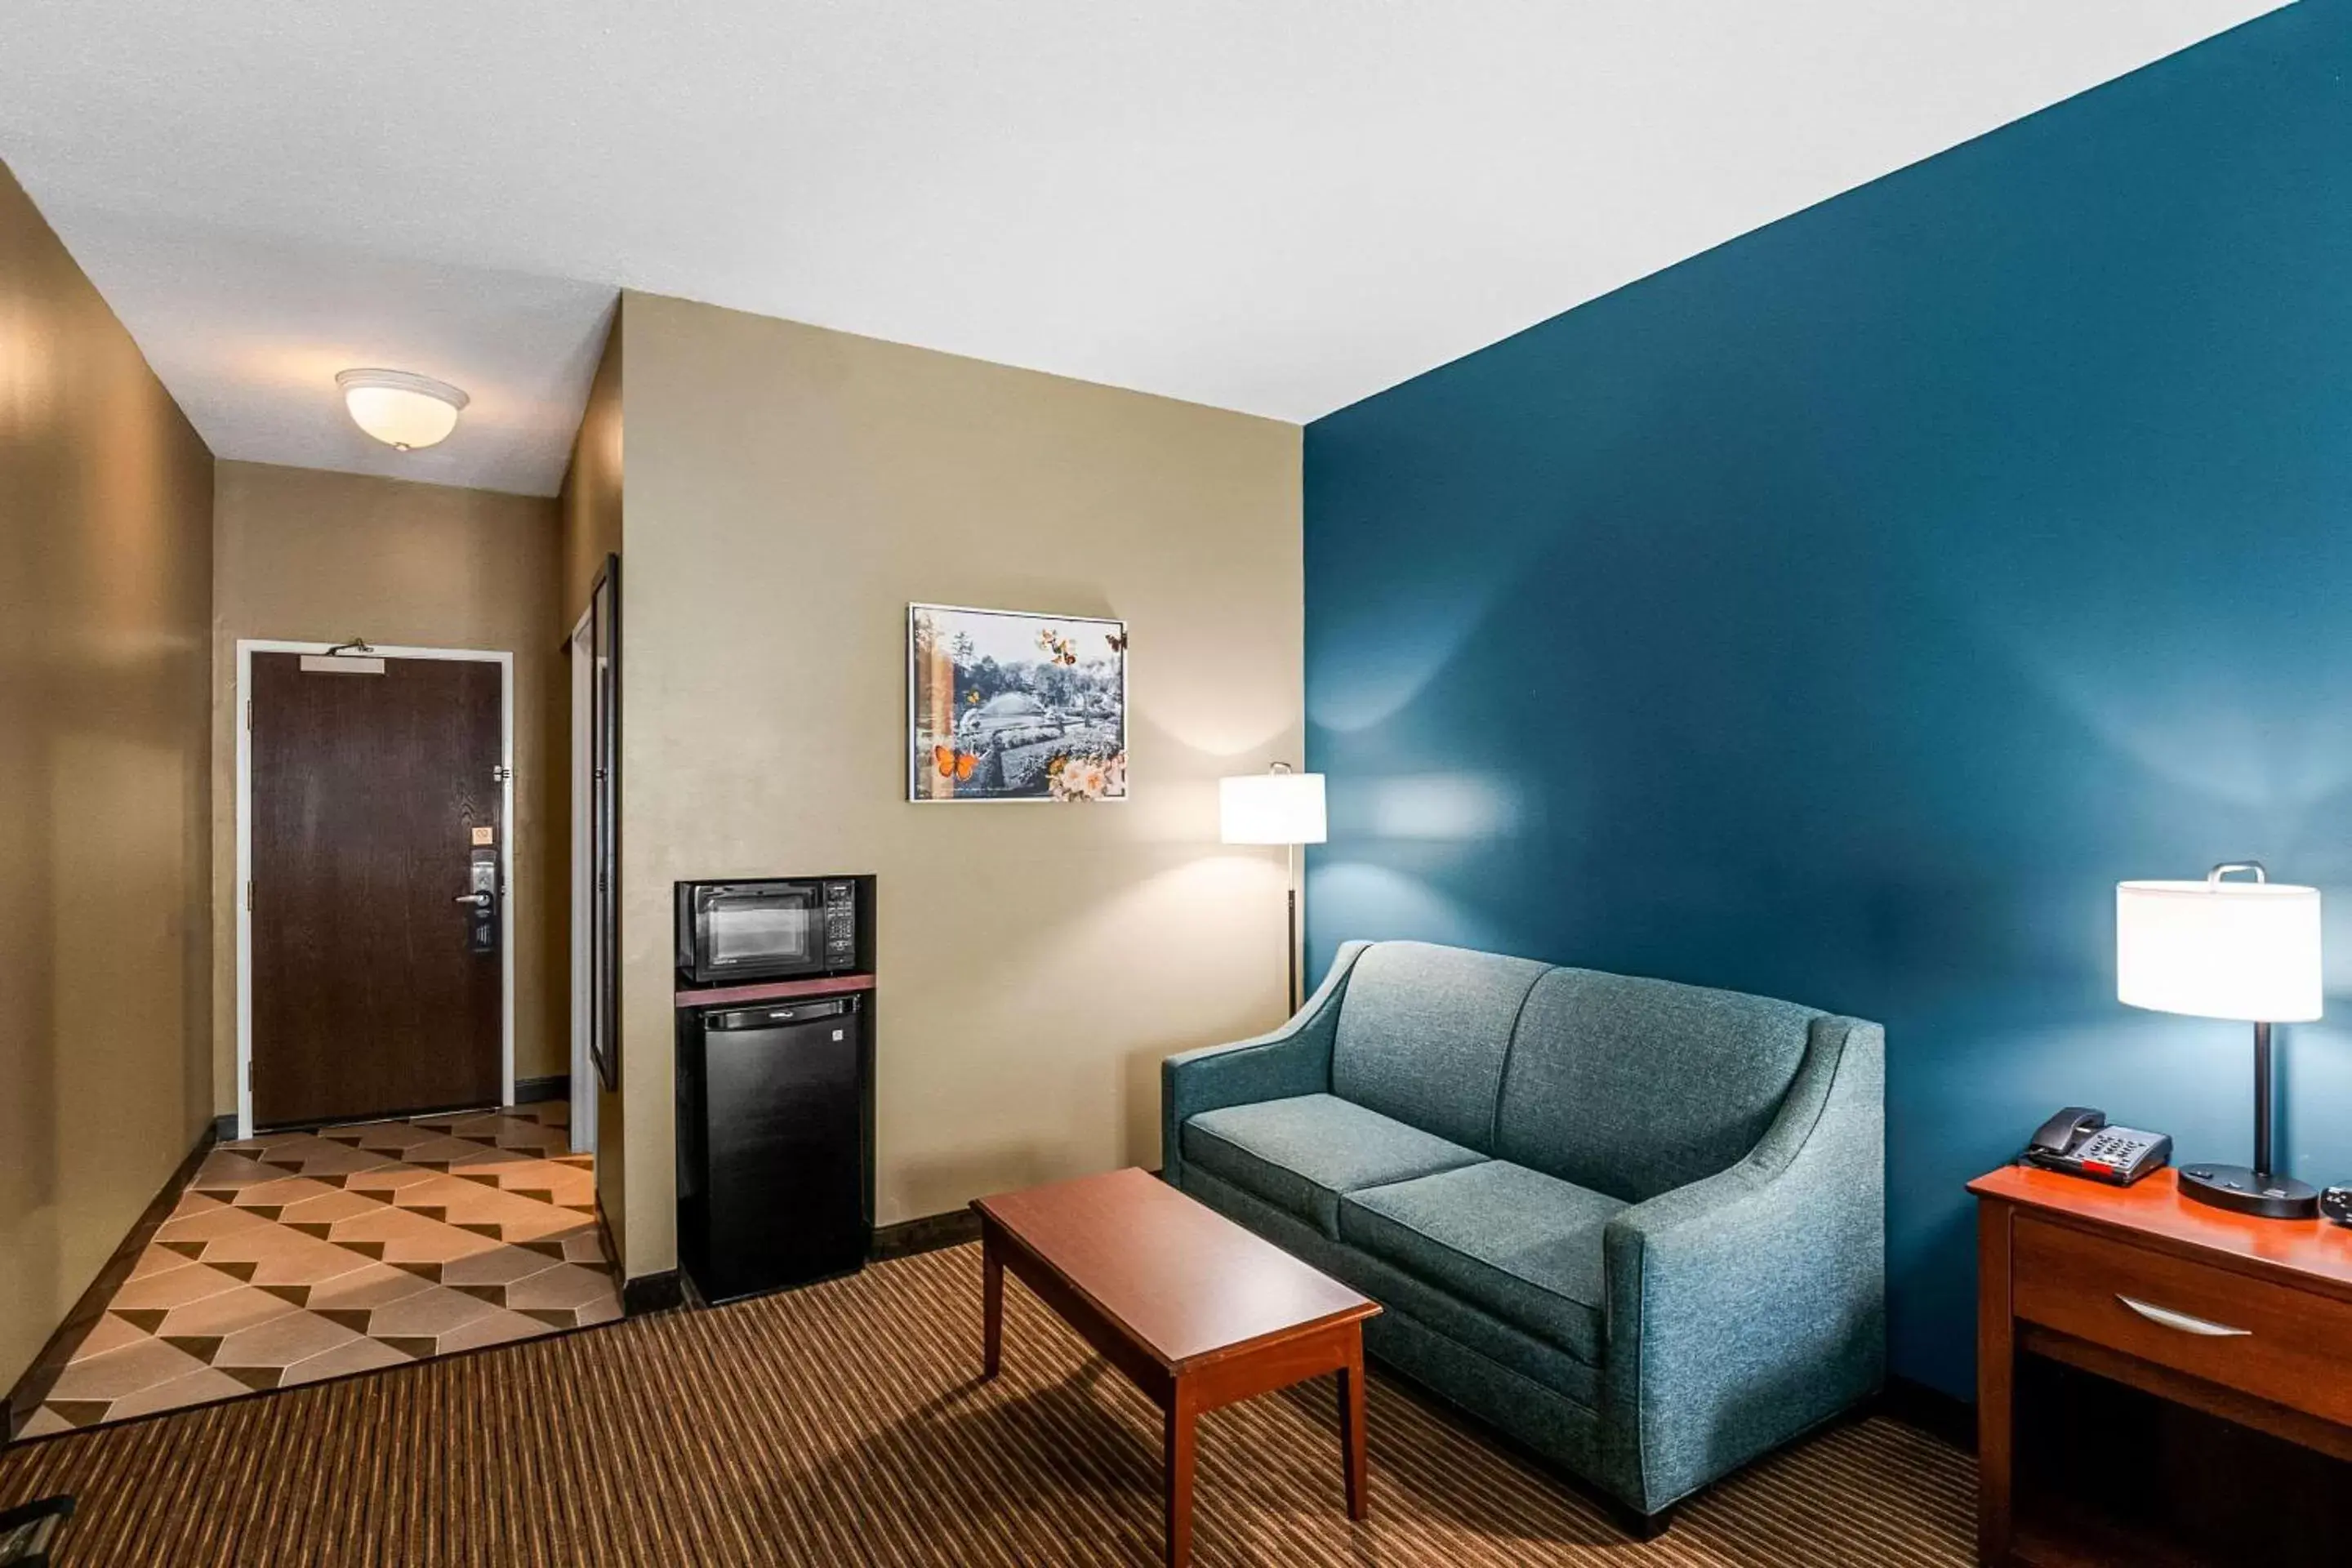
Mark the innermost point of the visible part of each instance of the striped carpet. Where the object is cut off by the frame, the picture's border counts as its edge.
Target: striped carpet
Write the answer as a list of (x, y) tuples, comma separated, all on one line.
[(841, 1425)]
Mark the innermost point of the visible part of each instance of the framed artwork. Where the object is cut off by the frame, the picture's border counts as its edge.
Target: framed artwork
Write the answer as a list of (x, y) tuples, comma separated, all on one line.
[(1005, 705)]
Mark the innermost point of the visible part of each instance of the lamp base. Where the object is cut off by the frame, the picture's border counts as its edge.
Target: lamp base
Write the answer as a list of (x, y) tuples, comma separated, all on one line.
[(2241, 1189)]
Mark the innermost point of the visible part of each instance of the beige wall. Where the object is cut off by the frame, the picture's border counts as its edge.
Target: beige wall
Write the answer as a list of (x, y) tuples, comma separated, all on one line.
[(305, 556), (590, 529), (791, 489), (590, 500), (105, 571)]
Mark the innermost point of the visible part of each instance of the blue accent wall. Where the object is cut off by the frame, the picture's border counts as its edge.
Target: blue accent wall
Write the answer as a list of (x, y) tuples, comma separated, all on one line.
[(1839, 614)]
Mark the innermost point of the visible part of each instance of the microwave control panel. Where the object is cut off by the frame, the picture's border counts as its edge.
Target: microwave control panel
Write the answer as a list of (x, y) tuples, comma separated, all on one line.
[(841, 923)]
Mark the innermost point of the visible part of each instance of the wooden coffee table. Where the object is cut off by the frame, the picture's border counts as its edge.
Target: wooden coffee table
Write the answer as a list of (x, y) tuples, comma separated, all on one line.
[(1196, 1311)]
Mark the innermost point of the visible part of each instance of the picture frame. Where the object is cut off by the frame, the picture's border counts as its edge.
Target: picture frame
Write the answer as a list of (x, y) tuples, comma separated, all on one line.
[(1014, 706)]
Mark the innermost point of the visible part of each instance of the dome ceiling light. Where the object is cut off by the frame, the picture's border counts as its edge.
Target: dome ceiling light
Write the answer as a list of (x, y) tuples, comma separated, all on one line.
[(400, 408)]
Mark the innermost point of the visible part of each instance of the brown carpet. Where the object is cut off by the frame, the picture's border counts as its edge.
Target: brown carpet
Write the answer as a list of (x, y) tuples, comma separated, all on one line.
[(841, 1425)]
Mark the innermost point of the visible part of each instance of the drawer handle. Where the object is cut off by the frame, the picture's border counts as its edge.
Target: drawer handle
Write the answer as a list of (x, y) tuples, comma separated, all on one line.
[(2183, 1321)]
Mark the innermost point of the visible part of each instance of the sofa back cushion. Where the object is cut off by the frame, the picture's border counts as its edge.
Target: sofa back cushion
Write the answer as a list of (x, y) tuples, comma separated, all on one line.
[(1423, 1035), (1633, 1088)]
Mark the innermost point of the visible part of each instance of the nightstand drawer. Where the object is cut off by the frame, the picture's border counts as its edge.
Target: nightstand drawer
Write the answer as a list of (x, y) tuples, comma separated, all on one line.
[(2291, 1347)]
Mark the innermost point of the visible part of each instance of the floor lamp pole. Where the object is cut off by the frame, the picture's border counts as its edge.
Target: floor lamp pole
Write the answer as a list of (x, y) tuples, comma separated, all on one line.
[(1293, 894)]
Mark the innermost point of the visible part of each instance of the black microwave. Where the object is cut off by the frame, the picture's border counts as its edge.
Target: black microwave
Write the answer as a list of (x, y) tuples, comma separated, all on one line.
[(771, 928)]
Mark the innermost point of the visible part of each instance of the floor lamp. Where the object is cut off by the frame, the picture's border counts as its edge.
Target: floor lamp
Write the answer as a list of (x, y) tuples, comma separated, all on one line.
[(1277, 806)]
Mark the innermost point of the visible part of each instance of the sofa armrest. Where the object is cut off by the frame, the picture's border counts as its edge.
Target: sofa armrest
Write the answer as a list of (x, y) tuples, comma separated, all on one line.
[(1292, 1060), (1750, 1305)]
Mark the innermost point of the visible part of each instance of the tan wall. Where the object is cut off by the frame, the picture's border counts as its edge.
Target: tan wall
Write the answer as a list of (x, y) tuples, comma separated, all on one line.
[(791, 489), (305, 556), (590, 529), (105, 572), (590, 500)]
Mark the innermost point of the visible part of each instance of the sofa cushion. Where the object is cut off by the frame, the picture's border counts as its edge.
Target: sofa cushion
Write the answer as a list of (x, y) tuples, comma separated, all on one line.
[(1637, 1087), (1513, 1353), (1423, 1032), (1300, 1154), (1524, 1246)]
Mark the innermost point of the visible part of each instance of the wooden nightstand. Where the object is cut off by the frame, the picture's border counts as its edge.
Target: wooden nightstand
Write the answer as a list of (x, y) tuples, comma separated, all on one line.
[(2246, 1320)]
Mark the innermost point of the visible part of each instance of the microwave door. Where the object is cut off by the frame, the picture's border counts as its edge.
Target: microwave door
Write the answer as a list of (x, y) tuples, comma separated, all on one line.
[(767, 931)]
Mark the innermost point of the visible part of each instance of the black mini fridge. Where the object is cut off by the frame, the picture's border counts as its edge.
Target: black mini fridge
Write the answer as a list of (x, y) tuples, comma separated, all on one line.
[(775, 1143)]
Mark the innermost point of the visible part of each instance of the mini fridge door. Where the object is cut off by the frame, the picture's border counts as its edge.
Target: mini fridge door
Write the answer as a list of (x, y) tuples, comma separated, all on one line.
[(774, 1144)]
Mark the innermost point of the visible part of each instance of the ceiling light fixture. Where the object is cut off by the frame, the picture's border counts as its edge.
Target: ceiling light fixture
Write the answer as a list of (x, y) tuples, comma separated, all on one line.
[(400, 408)]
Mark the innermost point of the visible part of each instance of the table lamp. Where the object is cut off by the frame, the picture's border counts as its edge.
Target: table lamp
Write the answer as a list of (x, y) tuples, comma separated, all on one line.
[(2222, 949), (1276, 807)]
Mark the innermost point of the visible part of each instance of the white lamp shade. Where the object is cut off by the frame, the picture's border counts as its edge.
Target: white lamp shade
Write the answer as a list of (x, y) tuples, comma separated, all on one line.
[(1271, 808), (401, 409), (2248, 950)]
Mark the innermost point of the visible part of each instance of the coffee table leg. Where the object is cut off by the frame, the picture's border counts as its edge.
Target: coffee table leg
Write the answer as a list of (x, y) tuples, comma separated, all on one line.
[(992, 1303), (1352, 1429), (1180, 1417)]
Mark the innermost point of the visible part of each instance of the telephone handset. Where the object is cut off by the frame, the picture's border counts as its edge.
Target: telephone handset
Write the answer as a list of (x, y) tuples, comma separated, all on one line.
[(2079, 1142)]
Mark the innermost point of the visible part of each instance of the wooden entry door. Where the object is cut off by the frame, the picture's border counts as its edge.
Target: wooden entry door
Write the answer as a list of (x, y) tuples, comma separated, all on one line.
[(378, 978)]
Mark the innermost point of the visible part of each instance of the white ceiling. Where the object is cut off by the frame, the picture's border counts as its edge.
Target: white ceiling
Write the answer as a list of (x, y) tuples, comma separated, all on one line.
[(1274, 205)]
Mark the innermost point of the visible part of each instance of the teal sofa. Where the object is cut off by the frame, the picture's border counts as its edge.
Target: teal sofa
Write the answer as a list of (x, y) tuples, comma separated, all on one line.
[(1637, 1226)]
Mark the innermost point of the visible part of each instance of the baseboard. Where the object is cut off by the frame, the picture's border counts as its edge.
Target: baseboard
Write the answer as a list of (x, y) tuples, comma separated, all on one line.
[(652, 1293), (532, 1090), (224, 1128), (929, 1233), (1931, 1410), (42, 1375)]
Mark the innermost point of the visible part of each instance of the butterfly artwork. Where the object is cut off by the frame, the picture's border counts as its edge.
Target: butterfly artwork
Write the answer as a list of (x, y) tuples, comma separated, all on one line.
[(1011, 706)]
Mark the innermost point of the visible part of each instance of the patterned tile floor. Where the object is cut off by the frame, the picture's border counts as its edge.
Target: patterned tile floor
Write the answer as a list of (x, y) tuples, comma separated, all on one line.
[(299, 1255)]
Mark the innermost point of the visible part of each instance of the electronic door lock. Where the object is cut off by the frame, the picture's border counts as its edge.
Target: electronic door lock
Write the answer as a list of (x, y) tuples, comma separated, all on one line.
[(483, 934)]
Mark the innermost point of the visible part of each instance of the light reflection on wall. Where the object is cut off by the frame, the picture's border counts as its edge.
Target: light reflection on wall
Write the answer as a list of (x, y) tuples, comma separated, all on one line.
[(1386, 670), (1442, 807), (29, 369), (1383, 904), (2165, 665)]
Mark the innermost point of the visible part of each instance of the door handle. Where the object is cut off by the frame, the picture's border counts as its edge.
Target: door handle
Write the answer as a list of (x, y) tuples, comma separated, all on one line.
[(2183, 1321), (479, 900)]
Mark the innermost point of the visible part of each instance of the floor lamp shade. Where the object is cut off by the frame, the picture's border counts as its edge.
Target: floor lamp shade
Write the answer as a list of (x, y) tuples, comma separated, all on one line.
[(1277, 806), (1271, 808), (2247, 950)]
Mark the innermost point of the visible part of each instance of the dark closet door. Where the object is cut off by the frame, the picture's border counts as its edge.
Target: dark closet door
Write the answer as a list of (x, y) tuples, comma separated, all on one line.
[(377, 978)]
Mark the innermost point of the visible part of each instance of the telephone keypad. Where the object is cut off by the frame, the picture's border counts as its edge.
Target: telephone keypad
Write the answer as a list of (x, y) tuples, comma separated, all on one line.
[(2118, 1155)]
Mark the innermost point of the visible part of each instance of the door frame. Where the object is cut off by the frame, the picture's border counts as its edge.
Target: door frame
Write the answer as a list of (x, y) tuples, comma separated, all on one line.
[(241, 716), (581, 764)]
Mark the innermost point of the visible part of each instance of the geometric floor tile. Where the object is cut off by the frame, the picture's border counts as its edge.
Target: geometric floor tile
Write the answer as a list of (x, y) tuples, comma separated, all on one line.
[(301, 1256)]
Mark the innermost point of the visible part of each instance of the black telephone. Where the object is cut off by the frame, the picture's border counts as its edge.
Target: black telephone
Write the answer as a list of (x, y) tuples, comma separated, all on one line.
[(2079, 1142)]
